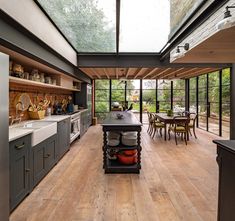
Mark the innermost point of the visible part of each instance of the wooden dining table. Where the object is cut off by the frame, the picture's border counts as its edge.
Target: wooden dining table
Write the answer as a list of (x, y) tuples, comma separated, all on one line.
[(166, 120)]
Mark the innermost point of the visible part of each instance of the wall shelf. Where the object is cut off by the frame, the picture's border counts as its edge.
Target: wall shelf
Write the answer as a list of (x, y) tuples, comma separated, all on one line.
[(38, 84)]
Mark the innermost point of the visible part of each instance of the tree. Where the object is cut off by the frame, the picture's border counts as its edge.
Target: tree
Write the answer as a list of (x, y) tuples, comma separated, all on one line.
[(83, 23)]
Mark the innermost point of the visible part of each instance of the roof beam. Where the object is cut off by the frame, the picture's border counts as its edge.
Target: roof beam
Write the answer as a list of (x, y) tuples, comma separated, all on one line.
[(136, 61), (183, 73), (171, 73), (203, 71), (116, 72), (104, 70), (151, 72), (140, 72), (161, 73)]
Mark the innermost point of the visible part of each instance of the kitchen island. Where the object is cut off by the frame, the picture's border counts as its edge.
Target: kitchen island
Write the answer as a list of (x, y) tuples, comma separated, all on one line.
[(128, 123)]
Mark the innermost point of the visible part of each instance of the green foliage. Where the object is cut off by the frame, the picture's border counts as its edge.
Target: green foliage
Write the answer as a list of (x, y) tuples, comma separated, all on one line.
[(83, 23)]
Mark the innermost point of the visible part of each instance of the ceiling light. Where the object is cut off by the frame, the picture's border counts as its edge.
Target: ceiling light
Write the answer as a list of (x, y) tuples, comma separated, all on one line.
[(228, 21), (179, 54)]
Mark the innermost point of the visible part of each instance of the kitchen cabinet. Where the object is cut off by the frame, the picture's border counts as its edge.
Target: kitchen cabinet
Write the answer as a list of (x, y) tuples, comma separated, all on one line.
[(63, 132), (84, 99), (45, 156), (19, 170), (85, 122), (226, 161)]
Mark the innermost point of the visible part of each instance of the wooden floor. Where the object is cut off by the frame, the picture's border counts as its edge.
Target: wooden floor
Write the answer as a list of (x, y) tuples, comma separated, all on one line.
[(175, 183)]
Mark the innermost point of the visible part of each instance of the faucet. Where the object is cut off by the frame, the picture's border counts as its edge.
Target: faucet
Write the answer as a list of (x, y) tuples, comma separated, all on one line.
[(19, 107)]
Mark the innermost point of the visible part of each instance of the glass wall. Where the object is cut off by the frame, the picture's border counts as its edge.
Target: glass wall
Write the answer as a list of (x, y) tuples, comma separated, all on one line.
[(202, 101), (192, 95), (148, 98), (226, 103), (164, 95), (178, 95), (102, 89), (213, 92), (209, 97), (213, 102), (133, 96), (118, 91)]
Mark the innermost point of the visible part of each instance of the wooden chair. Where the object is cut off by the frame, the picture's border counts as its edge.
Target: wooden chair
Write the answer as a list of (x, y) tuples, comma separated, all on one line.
[(157, 125), (150, 120), (179, 127), (192, 123)]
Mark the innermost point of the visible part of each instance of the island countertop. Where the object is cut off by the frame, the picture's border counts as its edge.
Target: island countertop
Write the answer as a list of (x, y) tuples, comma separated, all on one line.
[(128, 119)]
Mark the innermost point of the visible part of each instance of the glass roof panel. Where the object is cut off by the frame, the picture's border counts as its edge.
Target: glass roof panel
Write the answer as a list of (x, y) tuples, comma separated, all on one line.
[(144, 25), (90, 25), (178, 17)]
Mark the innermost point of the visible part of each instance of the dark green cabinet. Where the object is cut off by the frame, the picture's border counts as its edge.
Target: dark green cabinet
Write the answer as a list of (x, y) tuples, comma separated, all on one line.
[(63, 132), (85, 122), (44, 158), (19, 170)]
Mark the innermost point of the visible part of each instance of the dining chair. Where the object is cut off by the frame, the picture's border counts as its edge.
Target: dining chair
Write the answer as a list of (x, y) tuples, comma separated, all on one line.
[(192, 123), (150, 120), (179, 127), (157, 125)]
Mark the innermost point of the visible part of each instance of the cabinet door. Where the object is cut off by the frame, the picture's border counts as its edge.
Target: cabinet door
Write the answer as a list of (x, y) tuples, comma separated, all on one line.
[(39, 167), (19, 170), (50, 154), (63, 136)]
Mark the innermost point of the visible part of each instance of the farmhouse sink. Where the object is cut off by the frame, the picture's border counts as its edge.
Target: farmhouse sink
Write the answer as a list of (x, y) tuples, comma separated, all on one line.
[(41, 130)]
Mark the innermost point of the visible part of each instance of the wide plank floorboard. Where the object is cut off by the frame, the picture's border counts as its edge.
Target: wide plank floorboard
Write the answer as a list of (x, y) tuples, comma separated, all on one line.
[(176, 183)]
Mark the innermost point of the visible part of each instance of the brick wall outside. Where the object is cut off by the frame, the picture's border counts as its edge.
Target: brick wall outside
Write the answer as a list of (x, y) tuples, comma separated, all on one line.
[(207, 29), (36, 94)]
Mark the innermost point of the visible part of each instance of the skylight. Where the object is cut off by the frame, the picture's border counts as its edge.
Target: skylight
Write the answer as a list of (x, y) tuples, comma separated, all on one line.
[(88, 24), (144, 25)]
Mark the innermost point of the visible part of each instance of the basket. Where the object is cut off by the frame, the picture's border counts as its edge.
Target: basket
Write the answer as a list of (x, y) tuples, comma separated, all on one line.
[(37, 115)]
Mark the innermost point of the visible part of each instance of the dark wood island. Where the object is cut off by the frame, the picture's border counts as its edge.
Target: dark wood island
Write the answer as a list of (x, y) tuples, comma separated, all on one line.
[(226, 197), (128, 123)]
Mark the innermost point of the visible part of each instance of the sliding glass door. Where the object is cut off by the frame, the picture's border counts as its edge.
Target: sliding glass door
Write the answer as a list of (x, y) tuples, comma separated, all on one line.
[(202, 102)]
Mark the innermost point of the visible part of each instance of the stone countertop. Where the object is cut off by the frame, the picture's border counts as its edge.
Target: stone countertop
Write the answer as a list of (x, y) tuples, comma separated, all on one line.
[(56, 118), (15, 133)]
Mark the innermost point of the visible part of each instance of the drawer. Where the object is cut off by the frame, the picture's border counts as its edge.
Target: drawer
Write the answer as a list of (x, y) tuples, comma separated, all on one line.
[(20, 144)]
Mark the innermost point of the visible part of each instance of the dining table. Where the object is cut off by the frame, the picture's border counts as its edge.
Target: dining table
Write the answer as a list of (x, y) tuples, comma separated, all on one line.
[(163, 117)]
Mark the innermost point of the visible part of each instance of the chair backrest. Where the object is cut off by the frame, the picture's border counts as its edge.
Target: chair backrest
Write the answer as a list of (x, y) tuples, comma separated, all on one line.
[(193, 117), (181, 121), (185, 113)]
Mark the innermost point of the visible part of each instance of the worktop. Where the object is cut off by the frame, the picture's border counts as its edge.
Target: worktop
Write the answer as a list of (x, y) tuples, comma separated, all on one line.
[(226, 144), (128, 119), (15, 133), (56, 118)]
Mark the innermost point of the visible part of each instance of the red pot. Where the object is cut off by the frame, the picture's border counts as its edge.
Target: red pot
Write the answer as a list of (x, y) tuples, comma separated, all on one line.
[(122, 158), (130, 152)]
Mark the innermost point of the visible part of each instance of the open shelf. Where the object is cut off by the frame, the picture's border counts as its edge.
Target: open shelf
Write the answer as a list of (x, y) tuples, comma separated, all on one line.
[(123, 147), (113, 166), (37, 84)]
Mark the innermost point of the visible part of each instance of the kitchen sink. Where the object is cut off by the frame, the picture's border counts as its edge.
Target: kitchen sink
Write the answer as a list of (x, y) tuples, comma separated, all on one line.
[(41, 130)]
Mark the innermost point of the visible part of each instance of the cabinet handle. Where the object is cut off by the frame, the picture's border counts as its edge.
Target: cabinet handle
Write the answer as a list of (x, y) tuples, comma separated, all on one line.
[(27, 170), (47, 155), (19, 146)]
